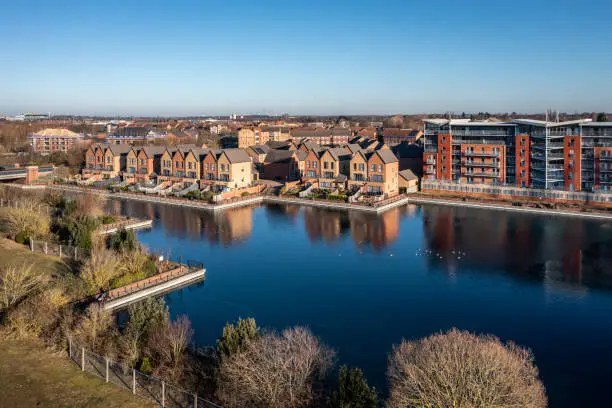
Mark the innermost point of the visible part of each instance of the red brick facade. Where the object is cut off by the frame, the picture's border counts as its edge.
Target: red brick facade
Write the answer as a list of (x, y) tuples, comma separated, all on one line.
[(444, 164), (572, 163), (522, 161)]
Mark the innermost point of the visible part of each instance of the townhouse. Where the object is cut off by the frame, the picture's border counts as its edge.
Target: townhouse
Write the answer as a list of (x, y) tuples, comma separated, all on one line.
[(220, 170), (374, 172)]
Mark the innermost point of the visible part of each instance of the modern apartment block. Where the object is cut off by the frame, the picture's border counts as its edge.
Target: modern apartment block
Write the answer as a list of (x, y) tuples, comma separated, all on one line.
[(572, 156), (54, 140)]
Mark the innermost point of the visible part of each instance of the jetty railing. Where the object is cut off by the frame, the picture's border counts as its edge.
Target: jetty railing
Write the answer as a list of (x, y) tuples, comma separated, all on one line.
[(138, 383)]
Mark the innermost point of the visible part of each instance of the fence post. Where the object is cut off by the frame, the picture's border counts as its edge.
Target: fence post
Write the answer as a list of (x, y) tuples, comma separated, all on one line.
[(106, 361), (31, 245), (60, 251), (82, 358), (195, 400), (45, 247), (133, 381), (70, 347), (76, 253), (163, 393)]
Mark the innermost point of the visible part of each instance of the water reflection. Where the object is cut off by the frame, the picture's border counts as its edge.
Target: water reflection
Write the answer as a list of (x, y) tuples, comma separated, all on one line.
[(565, 251), (560, 250), (220, 227)]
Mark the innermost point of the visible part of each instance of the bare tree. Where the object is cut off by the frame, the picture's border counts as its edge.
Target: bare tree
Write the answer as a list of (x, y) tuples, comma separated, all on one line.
[(94, 327), (275, 370), (460, 369), (90, 205), (26, 218)]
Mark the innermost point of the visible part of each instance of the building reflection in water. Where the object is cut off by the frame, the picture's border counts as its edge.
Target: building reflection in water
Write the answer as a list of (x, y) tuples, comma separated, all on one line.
[(223, 227), (558, 250)]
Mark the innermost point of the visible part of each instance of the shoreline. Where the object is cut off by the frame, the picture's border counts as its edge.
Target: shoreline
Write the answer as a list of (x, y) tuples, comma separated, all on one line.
[(331, 205)]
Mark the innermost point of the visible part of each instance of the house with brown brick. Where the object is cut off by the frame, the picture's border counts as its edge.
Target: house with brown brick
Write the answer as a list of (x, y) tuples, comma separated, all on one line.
[(374, 173), (106, 161)]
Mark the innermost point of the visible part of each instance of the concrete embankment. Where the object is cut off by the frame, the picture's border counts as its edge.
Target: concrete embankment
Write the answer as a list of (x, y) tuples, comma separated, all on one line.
[(498, 207)]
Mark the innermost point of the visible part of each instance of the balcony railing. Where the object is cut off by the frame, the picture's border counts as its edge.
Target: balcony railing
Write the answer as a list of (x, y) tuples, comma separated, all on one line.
[(481, 174), (474, 164), (481, 154)]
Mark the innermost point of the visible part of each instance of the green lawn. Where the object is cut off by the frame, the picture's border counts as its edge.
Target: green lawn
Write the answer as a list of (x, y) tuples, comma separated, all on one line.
[(31, 376)]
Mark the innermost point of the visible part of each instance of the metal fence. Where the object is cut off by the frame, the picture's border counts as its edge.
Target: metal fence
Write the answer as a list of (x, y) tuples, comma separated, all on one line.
[(55, 249), (134, 381), (42, 208)]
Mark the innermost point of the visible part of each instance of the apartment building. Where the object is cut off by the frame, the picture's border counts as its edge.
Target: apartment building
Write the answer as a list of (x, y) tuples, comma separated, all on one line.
[(54, 140), (252, 136), (569, 156), (128, 135)]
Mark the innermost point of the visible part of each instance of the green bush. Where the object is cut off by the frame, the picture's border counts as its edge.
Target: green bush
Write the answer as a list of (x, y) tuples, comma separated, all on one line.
[(244, 194), (123, 240), (353, 390), (193, 195), (22, 238), (107, 219), (236, 336), (145, 366), (77, 232), (337, 197)]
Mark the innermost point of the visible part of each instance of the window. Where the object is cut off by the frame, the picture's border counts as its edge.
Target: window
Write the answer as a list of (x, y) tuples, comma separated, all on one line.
[(522, 152), (331, 165), (361, 167), (373, 167), (380, 168)]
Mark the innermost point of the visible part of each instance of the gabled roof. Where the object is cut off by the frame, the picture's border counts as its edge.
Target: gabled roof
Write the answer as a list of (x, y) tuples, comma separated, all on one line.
[(237, 155), (386, 155), (408, 175), (260, 149), (279, 156), (341, 178), (301, 155), (353, 147), (119, 148)]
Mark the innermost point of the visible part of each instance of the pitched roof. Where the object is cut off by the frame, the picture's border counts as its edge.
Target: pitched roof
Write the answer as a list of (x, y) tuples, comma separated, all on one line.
[(57, 132), (237, 155), (119, 148), (301, 155), (278, 156), (408, 175), (387, 156), (260, 149)]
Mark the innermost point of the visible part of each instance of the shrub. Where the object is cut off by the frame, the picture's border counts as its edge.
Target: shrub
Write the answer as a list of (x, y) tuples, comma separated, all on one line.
[(22, 238), (102, 267), (236, 336), (145, 366), (107, 219), (353, 390), (27, 221), (79, 232), (244, 194), (124, 240), (457, 369), (17, 283), (89, 205), (144, 319)]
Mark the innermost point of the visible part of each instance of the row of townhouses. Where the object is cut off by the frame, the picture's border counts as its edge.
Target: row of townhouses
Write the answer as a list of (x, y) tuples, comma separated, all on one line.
[(572, 156), (222, 170), (366, 165)]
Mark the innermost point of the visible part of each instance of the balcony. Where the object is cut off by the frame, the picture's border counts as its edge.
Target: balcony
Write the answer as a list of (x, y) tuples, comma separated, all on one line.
[(430, 161), (474, 164), (430, 171), (358, 177), (480, 174), (481, 154), (605, 158)]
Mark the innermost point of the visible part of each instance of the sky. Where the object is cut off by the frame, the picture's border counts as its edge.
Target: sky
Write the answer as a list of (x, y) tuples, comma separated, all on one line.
[(331, 57)]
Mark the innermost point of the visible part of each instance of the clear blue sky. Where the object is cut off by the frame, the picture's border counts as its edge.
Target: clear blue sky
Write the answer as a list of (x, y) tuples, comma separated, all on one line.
[(304, 57)]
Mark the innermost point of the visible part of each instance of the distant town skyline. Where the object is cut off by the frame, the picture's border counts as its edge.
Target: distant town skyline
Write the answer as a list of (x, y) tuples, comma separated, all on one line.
[(194, 58)]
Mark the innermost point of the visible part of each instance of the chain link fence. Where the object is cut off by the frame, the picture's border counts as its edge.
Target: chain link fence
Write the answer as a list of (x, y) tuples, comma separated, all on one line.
[(145, 386)]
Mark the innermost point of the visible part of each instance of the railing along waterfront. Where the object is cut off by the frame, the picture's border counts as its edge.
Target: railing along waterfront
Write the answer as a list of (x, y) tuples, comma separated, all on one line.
[(138, 383), (511, 192)]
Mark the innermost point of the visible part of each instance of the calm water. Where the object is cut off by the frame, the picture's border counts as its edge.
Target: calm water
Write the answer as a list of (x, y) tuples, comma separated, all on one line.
[(364, 282)]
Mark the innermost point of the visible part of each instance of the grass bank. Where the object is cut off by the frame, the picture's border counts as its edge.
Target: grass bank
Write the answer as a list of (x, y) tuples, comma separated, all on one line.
[(32, 376)]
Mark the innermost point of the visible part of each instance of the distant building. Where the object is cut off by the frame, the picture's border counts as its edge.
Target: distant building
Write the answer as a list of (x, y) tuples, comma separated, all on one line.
[(54, 140), (397, 135), (134, 134)]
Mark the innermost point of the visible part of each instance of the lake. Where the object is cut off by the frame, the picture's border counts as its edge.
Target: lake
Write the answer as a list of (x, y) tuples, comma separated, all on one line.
[(363, 282)]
